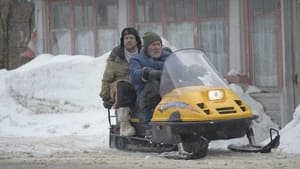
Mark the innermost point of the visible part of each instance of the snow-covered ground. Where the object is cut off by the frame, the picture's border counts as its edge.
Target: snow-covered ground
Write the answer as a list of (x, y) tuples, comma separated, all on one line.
[(56, 98)]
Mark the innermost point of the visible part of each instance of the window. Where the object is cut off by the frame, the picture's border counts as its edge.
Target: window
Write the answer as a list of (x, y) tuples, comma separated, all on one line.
[(107, 22), (213, 32), (189, 24), (83, 27), (180, 23), (148, 11), (106, 13), (264, 35), (212, 8), (180, 9), (60, 27), (87, 27), (148, 16)]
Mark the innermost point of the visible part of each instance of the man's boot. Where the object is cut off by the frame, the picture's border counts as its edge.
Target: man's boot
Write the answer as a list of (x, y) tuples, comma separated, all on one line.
[(125, 127)]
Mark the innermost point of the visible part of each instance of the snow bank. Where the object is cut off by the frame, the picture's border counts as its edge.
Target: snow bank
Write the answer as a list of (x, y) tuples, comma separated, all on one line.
[(290, 134), (53, 96)]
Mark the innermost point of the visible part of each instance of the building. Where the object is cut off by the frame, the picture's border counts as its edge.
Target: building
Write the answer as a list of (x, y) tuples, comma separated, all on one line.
[(259, 40), (16, 24)]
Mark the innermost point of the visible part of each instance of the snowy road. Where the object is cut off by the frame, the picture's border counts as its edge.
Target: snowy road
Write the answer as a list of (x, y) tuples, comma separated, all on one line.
[(30, 153), (116, 159)]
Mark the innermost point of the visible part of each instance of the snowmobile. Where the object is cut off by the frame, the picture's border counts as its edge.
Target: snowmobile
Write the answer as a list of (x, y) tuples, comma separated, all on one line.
[(196, 107)]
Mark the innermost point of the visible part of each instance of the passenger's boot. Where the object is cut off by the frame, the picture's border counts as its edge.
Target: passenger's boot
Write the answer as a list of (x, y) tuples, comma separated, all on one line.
[(123, 117)]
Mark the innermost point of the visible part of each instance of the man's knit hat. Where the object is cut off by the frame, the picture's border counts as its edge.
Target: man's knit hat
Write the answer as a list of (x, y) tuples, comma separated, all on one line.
[(150, 37), (131, 31)]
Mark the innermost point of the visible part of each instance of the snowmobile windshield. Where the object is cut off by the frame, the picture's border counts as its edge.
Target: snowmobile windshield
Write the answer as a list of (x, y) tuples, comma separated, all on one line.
[(188, 67)]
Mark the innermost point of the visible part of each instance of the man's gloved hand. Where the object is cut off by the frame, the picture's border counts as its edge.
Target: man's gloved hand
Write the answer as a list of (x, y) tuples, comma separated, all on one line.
[(145, 75), (107, 103), (154, 74), (150, 74)]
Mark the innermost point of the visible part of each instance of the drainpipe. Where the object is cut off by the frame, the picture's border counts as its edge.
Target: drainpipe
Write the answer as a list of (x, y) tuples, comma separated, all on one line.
[(5, 23)]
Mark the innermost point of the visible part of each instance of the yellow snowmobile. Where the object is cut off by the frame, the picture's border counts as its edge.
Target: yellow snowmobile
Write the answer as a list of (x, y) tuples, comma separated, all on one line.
[(197, 106)]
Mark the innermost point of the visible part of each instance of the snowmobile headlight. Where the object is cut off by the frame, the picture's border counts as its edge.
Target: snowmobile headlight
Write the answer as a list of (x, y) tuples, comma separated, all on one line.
[(215, 94)]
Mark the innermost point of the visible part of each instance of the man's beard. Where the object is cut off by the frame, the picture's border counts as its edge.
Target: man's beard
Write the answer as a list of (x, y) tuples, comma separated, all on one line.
[(156, 54)]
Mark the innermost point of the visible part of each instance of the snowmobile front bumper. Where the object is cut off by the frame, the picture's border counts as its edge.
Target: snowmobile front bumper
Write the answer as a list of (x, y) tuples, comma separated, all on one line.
[(167, 132)]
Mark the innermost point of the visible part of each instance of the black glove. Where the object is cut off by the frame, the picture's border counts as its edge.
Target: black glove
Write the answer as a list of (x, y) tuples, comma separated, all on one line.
[(154, 74), (150, 74), (145, 75), (107, 103)]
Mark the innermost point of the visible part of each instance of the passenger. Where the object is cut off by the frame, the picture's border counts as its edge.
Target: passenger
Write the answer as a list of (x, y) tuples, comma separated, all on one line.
[(145, 71), (116, 89)]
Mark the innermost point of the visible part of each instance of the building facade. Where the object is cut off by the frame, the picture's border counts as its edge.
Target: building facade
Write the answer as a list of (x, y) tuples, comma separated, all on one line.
[(16, 25), (251, 42)]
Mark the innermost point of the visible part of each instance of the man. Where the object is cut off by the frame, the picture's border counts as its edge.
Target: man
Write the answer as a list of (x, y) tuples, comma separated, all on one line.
[(145, 71), (116, 89)]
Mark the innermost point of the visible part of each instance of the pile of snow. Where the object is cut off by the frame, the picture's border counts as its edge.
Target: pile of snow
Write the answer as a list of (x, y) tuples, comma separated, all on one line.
[(54, 96), (290, 134)]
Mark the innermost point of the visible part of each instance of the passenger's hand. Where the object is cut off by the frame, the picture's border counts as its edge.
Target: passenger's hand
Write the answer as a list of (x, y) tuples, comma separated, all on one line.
[(107, 103)]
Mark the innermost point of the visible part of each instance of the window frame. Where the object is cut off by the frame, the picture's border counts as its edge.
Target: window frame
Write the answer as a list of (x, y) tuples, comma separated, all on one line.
[(94, 28), (248, 24), (195, 19)]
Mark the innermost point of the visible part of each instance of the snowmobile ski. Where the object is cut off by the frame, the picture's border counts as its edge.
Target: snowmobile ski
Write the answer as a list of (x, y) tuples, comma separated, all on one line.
[(274, 143)]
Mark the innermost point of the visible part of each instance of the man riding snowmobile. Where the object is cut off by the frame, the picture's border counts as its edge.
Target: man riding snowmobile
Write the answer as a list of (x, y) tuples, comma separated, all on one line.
[(116, 89)]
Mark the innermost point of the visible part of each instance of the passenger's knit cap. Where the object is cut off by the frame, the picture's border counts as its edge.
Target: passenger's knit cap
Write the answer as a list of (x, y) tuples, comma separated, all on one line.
[(150, 37)]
